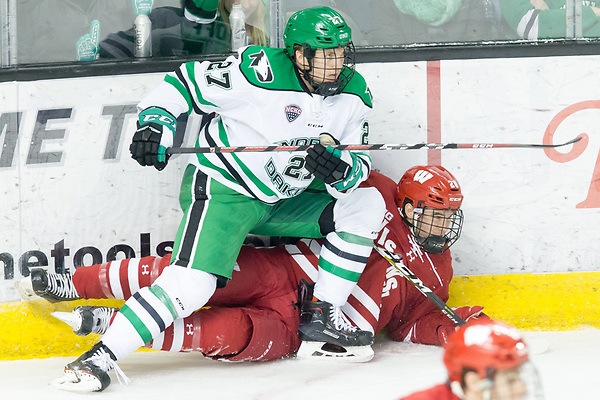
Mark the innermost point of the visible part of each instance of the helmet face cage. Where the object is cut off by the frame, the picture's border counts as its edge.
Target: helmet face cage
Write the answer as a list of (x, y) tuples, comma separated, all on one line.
[(436, 230), (317, 71), (319, 32), (518, 383), (522, 383)]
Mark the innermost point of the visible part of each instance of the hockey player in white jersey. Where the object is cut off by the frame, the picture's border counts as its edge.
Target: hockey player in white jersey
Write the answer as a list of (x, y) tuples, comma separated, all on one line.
[(264, 96)]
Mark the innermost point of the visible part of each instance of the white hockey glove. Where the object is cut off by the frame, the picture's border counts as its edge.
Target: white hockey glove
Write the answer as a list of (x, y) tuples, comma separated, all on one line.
[(340, 169), (467, 313), (154, 134)]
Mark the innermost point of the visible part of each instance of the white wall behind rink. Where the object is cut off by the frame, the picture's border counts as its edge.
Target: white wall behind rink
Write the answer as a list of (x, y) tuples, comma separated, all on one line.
[(524, 210)]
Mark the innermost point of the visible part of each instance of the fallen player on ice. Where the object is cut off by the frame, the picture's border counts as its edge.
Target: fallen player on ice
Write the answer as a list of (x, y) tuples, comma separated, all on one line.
[(255, 317)]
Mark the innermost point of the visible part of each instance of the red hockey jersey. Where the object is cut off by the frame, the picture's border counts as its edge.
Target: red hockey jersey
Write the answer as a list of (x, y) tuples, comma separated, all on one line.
[(383, 297)]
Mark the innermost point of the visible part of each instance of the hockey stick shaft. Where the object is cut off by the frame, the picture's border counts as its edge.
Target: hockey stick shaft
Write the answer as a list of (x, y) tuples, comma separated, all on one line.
[(366, 147), (412, 278)]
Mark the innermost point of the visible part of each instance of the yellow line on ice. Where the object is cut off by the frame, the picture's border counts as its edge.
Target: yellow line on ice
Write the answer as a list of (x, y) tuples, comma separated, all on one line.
[(561, 301)]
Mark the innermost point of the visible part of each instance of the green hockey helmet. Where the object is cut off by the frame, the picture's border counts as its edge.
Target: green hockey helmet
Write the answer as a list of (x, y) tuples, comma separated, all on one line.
[(321, 28), (317, 27)]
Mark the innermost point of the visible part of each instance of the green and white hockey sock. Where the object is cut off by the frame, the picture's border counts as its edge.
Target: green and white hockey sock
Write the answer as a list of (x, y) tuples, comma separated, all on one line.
[(342, 261), (152, 309), (141, 318)]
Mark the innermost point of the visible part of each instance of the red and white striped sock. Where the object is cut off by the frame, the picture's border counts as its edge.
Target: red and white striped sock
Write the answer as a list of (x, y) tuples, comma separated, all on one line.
[(118, 279)]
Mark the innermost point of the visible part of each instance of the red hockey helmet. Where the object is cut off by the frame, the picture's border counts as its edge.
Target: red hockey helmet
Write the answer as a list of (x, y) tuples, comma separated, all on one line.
[(430, 189), (429, 186), (484, 346)]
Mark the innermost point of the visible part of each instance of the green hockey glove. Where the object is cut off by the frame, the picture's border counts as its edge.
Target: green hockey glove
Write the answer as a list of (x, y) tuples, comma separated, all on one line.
[(342, 170), (154, 134)]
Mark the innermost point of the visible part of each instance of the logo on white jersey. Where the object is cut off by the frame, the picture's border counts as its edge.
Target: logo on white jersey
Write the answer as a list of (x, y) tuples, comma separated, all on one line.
[(292, 112), (423, 176), (261, 66)]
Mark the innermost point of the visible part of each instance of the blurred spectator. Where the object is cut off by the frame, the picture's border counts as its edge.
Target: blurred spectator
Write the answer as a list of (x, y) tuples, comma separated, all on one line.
[(48, 30), (418, 21), (256, 17), (194, 28), (539, 19)]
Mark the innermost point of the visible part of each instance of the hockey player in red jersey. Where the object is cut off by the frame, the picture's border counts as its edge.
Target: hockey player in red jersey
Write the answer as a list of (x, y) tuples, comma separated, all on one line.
[(255, 316), (486, 360)]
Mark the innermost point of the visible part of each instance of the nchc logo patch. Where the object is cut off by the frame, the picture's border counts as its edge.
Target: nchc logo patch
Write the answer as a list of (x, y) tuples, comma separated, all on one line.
[(292, 112)]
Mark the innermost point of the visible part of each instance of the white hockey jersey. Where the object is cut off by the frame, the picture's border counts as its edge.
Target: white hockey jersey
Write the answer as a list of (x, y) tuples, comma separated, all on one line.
[(259, 100)]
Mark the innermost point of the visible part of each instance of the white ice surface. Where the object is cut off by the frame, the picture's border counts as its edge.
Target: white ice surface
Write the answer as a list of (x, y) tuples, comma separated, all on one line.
[(568, 363)]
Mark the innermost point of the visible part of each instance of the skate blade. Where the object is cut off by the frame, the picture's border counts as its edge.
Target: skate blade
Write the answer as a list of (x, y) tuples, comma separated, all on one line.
[(333, 352), (69, 318), (25, 290), (80, 383)]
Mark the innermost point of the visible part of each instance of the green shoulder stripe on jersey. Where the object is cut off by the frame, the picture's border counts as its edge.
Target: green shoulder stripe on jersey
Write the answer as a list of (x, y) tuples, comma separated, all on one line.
[(358, 86), (189, 69), (181, 89), (269, 68)]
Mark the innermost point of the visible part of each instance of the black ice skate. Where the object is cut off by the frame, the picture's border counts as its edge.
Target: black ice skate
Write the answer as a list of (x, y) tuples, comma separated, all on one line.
[(326, 333), (47, 285), (89, 373), (87, 319)]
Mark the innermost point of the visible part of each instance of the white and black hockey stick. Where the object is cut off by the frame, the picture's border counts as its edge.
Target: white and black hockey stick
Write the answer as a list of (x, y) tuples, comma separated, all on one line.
[(412, 278), (536, 345), (365, 147)]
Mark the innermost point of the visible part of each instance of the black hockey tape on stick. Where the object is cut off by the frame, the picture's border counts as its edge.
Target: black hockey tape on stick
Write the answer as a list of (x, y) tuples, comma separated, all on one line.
[(367, 147), (412, 278)]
